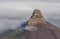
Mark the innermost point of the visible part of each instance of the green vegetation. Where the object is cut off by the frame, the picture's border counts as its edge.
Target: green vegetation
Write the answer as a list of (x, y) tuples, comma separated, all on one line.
[(17, 34)]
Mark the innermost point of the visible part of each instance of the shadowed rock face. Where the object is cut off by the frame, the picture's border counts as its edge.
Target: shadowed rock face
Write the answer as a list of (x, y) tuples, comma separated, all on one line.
[(43, 29)]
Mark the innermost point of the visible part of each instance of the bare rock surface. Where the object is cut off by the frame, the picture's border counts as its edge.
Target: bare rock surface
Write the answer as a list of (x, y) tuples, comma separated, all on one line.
[(44, 30)]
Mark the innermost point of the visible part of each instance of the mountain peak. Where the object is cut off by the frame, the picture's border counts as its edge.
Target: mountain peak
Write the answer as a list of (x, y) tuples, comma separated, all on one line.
[(37, 14), (36, 18)]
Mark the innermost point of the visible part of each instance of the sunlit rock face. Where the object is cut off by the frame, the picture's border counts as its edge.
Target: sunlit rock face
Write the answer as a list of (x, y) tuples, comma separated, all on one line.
[(39, 28), (36, 18)]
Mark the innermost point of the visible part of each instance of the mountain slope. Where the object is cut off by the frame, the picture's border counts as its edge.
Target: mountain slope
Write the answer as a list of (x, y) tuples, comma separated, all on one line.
[(42, 28), (35, 28)]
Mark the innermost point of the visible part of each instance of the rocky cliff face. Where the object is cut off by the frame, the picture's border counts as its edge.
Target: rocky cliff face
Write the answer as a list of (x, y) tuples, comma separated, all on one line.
[(40, 28), (36, 18)]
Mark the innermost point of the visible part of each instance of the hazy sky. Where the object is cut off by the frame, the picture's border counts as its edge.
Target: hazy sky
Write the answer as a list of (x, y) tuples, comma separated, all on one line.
[(34, 0), (13, 11), (14, 8)]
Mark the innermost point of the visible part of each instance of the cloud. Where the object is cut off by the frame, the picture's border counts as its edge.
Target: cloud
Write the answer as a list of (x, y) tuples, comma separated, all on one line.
[(9, 24), (30, 28), (13, 13), (56, 1), (16, 9), (13, 10)]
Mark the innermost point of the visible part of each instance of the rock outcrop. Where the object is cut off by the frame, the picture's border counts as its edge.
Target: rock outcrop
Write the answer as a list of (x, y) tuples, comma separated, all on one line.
[(36, 18), (40, 28)]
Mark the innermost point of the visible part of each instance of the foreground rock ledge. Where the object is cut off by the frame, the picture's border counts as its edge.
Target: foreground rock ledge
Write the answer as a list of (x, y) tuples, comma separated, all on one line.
[(44, 30)]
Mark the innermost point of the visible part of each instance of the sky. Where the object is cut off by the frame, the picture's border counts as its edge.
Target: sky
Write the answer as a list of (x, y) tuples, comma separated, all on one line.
[(15, 12)]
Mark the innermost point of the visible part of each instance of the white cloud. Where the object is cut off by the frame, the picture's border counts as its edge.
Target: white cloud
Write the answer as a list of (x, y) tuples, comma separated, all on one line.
[(56, 1), (16, 9), (30, 28)]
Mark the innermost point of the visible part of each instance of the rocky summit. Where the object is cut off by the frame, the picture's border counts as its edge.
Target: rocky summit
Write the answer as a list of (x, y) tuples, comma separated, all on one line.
[(36, 18), (37, 27), (42, 29)]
